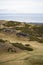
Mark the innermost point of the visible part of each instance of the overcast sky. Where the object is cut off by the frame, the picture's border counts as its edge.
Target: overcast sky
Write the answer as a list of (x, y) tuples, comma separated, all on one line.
[(21, 6)]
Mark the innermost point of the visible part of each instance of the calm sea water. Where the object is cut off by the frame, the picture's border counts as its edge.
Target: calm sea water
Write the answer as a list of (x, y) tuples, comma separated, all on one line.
[(23, 17)]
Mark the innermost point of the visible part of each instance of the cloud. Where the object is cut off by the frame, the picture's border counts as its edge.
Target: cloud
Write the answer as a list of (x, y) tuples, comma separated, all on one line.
[(22, 6)]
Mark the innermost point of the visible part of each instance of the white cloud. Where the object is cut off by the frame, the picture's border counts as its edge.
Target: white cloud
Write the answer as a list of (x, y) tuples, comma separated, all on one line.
[(22, 6)]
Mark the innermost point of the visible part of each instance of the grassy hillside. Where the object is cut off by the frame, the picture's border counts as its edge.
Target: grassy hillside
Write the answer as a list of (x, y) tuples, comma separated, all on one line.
[(21, 43), (33, 31)]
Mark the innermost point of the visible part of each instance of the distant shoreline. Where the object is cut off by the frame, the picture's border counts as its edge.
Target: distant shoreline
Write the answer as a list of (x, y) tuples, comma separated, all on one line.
[(22, 17)]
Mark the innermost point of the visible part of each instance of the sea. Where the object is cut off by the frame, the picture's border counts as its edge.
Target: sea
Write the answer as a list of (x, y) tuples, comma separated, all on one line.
[(23, 17)]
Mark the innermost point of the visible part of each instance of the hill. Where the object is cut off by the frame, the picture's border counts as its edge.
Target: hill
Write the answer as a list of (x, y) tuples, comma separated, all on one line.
[(21, 43), (32, 31)]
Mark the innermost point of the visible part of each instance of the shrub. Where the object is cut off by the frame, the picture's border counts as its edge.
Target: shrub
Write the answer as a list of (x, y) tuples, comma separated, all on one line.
[(27, 45), (40, 40), (2, 40), (21, 46)]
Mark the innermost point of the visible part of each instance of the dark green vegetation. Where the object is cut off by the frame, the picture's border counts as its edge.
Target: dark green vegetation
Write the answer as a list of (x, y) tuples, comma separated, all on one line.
[(27, 45), (11, 23), (21, 46), (2, 41), (12, 47)]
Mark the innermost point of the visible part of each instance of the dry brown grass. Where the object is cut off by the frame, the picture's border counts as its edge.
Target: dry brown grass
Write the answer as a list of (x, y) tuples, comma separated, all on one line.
[(18, 58)]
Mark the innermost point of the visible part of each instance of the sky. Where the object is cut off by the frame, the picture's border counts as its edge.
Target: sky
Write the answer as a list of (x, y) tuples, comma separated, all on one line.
[(21, 6)]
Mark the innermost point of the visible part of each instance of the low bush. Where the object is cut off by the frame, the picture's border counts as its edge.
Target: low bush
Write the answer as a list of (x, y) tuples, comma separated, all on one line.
[(2, 40), (27, 45), (40, 40), (21, 46)]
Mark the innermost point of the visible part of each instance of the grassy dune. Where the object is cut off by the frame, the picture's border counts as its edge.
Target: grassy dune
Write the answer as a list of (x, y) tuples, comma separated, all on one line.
[(33, 37)]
